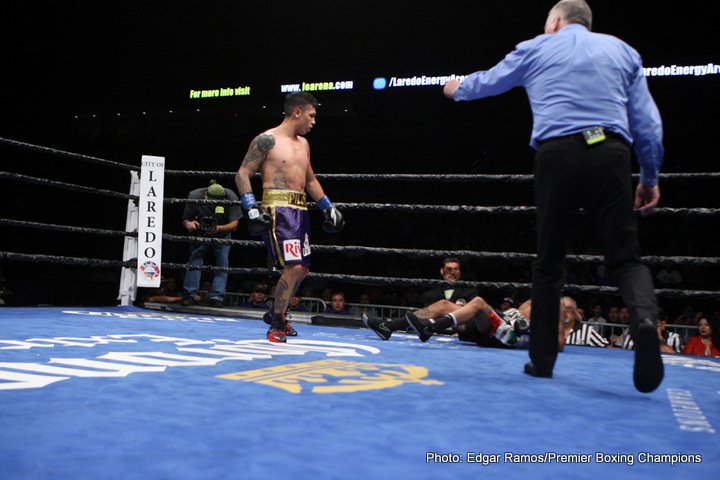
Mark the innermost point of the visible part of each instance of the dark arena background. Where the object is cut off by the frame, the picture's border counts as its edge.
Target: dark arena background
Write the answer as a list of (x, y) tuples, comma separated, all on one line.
[(90, 87)]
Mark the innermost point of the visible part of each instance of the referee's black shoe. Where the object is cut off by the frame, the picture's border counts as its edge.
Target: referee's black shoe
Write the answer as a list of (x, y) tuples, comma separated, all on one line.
[(421, 327), (377, 325), (648, 370), (534, 372)]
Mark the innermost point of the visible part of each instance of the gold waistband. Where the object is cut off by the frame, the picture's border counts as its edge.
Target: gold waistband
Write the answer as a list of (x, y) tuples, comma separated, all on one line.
[(284, 198)]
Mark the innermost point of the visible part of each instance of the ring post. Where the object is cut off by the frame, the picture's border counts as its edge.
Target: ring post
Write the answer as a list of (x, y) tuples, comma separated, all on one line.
[(128, 276)]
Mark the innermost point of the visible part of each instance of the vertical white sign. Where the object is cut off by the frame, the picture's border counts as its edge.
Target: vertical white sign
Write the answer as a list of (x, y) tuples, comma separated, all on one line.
[(150, 221)]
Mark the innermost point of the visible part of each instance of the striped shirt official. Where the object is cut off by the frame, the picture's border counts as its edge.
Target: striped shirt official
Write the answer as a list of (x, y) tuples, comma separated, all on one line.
[(673, 340), (586, 335)]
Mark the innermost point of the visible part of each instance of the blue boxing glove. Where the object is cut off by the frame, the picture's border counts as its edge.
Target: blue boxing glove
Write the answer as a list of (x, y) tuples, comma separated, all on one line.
[(333, 220), (257, 222)]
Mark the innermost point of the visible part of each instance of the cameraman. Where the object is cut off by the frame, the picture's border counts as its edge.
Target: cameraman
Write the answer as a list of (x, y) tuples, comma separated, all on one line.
[(214, 221)]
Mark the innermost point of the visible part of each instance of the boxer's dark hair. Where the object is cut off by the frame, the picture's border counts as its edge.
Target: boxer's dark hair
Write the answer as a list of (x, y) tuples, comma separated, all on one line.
[(298, 100)]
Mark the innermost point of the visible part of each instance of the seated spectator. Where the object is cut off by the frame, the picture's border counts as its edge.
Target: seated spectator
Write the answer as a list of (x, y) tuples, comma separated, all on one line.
[(573, 331), (338, 305), (363, 307), (597, 320), (295, 304), (687, 317), (623, 318), (257, 298), (166, 293), (702, 344), (613, 313), (326, 295)]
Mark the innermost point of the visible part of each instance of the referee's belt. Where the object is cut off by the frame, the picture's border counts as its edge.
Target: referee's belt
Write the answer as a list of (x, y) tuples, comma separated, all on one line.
[(578, 137), (284, 198)]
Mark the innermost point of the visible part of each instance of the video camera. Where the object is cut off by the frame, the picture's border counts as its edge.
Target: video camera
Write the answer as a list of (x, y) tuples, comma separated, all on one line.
[(208, 225)]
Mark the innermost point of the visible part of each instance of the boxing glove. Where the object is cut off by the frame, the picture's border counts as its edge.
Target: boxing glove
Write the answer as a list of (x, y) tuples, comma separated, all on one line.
[(333, 220), (257, 222)]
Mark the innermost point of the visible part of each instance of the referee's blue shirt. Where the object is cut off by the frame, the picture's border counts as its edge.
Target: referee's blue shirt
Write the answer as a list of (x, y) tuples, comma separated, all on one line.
[(577, 79)]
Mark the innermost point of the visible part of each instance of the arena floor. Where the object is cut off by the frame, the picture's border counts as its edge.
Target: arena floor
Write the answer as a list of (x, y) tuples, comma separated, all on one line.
[(126, 393)]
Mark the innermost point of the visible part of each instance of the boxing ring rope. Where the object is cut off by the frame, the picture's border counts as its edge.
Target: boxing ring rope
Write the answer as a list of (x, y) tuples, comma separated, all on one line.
[(358, 279), (331, 176), (348, 249), (61, 153), (405, 208), (358, 249), (428, 177)]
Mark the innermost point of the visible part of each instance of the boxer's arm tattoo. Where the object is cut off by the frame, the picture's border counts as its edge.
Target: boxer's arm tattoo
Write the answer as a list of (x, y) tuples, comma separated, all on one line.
[(258, 150), (281, 299)]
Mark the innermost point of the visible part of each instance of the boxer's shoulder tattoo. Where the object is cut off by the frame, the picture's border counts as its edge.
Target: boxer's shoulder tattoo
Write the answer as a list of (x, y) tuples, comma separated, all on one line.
[(258, 150), (264, 142)]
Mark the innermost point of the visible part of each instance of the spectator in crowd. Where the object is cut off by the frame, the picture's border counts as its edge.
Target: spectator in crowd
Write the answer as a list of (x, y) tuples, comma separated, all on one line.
[(450, 271), (295, 304), (687, 321), (597, 320), (338, 305), (624, 319), (687, 317), (702, 343), (613, 317), (258, 298), (363, 306), (166, 293), (326, 295), (209, 221)]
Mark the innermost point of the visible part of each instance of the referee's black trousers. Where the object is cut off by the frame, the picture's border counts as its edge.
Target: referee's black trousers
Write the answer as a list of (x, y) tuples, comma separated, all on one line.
[(569, 175)]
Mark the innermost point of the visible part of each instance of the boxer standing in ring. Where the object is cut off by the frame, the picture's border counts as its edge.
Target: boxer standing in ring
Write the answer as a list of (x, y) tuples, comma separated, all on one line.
[(282, 155)]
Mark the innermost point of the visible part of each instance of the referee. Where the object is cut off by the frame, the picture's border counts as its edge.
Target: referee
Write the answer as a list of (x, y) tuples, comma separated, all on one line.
[(590, 104)]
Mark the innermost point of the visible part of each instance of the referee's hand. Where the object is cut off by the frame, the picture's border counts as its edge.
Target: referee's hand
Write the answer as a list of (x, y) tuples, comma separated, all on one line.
[(450, 87), (646, 198)]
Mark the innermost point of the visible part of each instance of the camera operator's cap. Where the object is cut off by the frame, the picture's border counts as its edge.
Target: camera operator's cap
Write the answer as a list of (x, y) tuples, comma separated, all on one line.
[(216, 191), (509, 301)]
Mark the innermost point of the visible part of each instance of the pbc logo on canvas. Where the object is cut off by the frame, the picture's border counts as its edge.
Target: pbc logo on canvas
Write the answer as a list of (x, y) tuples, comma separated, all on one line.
[(292, 249)]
